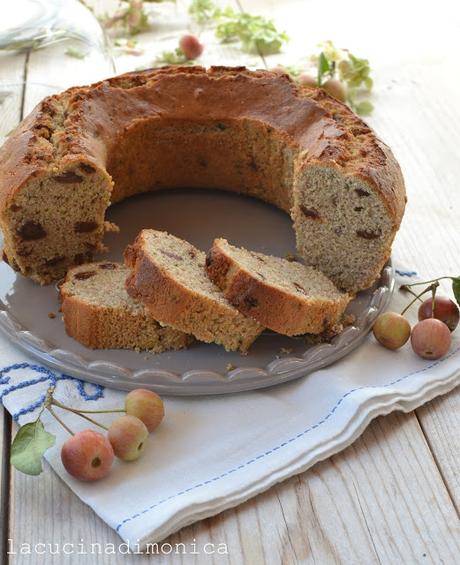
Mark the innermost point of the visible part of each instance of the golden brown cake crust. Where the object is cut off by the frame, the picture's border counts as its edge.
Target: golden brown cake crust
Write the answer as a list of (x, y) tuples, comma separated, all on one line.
[(183, 306), (80, 130), (86, 122), (286, 311)]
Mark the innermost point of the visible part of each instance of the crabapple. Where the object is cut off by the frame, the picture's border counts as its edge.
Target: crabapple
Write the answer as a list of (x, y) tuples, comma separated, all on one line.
[(336, 89), (431, 338), (191, 47), (127, 435), (444, 309), (87, 455), (307, 80), (145, 405), (391, 330)]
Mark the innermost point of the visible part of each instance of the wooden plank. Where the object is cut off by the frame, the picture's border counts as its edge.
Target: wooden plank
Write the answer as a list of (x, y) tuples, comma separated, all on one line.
[(5, 441), (381, 500), (11, 101), (440, 422), (12, 76)]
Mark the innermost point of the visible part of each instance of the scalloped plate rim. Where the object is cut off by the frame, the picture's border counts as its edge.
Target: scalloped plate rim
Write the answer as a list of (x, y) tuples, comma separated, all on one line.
[(314, 358)]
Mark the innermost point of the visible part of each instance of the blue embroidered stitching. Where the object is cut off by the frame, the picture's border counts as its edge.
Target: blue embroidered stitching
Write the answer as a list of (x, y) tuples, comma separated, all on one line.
[(406, 273), (99, 390), (299, 435), (48, 376)]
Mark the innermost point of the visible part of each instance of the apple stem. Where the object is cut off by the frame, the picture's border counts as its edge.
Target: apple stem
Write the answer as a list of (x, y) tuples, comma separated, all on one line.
[(100, 411), (429, 282), (428, 289), (433, 294), (53, 413), (405, 287), (57, 403)]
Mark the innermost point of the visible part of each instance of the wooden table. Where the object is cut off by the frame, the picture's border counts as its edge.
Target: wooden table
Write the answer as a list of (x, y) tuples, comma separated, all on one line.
[(394, 495)]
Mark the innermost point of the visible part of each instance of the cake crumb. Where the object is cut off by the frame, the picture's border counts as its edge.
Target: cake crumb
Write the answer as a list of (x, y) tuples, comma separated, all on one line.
[(330, 333), (286, 350), (110, 227), (348, 320), (51, 315), (230, 367)]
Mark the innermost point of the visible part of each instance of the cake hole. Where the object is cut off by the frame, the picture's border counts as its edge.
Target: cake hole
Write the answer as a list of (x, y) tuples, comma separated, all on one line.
[(85, 227)]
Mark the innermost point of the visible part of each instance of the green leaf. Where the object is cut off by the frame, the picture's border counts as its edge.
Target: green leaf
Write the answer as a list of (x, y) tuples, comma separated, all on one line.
[(324, 67), (176, 57), (202, 11), (323, 63), (364, 108), (29, 445), (256, 33), (456, 289), (368, 83), (292, 70)]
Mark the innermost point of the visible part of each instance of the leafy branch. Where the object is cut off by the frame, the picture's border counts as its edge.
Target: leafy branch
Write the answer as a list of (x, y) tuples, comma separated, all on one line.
[(32, 440), (256, 34), (352, 71)]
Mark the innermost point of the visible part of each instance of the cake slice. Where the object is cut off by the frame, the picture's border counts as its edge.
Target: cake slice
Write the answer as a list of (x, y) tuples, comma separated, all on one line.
[(284, 296), (168, 276), (99, 313)]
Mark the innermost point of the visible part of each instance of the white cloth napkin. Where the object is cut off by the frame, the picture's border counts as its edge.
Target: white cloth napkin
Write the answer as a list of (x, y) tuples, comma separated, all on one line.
[(212, 453)]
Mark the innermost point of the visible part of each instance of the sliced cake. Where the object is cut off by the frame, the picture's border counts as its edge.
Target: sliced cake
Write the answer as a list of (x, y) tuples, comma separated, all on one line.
[(285, 296), (99, 313), (168, 276)]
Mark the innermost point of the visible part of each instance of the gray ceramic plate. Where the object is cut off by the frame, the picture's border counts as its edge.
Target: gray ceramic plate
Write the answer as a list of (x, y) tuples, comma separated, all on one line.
[(199, 216)]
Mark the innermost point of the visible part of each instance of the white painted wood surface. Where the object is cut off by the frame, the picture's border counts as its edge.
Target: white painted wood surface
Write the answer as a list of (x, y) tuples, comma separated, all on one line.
[(394, 495)]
